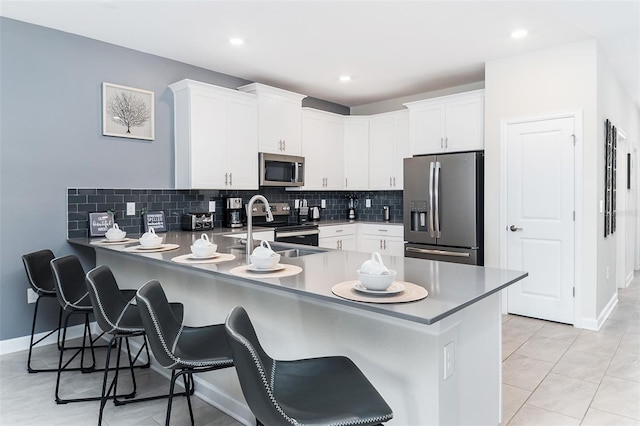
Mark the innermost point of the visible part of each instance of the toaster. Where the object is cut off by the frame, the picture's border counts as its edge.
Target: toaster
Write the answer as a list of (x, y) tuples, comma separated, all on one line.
[(197, 221)]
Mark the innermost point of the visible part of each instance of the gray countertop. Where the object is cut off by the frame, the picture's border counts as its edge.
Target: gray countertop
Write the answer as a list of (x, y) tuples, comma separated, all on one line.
[(451, 286)]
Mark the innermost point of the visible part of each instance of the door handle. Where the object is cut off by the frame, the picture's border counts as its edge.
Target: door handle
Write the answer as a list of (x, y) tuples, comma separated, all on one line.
[(514, 228)]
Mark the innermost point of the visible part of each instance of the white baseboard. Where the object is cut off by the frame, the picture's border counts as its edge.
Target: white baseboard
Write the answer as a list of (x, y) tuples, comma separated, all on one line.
[(22, 343), (595, 323)]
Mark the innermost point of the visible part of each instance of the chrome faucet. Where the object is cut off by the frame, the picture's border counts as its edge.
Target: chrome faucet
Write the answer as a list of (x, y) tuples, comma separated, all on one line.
[(267, 209)]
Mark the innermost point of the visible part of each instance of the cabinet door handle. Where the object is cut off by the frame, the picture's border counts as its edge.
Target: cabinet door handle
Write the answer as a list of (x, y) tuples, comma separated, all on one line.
[(339, 230), (446, 143), (390, 181), (226, 177), (394, 181), (380, 244), (383, 230), (441, 142), (345, 183), (385, 244), (284, 144), (230, 178)]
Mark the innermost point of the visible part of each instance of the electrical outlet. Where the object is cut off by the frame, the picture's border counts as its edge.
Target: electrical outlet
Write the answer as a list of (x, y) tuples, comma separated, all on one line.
[(323, 204), (212, 206), (32, 297), (296, 204), (131, 209), (367, 203), (449, 360)]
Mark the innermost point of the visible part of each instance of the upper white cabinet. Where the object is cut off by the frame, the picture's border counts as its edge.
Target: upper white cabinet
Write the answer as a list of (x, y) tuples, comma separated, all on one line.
[(279, 119), (216, 137), (447, 124), (356, 153), (322, 148), (388, 146)]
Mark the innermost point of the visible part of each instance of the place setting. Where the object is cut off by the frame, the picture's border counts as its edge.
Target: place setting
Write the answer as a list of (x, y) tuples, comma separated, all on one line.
[(377, 284), (203, 251), (115, 236), (150, 242), (264, 263)]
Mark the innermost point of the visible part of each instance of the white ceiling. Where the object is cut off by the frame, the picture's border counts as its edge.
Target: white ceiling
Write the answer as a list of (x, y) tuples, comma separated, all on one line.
[(391, 48)]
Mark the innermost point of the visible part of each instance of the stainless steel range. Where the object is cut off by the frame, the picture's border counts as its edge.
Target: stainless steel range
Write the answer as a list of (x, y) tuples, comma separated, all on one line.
[(285, 231)]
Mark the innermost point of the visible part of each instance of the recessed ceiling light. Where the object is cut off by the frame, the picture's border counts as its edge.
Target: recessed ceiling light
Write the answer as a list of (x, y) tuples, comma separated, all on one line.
[(345, 78), (236, 41), (519, 33)]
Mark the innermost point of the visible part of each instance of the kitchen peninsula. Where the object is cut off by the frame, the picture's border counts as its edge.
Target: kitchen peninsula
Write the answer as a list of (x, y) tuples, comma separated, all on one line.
[(435, 361)]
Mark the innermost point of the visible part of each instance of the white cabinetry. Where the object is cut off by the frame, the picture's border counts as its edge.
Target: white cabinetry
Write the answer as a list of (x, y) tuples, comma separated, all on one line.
[(383, 238), (356, 153), (388, 146), (279, 119), (447, 124), (215, 137), (322, 147), (341, 237)]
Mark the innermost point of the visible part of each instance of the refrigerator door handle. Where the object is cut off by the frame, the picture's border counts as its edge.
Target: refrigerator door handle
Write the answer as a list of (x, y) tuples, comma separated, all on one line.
[(431, 173), (438, 252), (436, 191)]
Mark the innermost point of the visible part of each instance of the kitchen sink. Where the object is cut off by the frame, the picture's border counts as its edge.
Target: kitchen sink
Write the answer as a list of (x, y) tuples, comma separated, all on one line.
[(284, 250)]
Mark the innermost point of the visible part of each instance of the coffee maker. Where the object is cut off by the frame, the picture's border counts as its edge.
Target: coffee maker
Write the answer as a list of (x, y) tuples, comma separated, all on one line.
[(352, 204), (234, 212)]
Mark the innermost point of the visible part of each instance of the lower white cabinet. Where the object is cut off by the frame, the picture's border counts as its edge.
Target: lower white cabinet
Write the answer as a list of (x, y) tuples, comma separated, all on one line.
[(383, 238), (340, 237)]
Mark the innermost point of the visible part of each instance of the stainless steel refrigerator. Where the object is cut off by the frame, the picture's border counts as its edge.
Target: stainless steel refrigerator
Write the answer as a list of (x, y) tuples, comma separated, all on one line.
[(443, 207)]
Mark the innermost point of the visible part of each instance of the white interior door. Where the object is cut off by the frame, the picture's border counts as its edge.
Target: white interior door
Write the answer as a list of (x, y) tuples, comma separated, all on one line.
[(540, 214)]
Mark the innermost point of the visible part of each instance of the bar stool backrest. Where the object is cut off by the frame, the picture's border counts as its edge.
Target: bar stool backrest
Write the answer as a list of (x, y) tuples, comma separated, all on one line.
[(109, 305), (70, 283), (39, 272), (161, 326), (254, 367)]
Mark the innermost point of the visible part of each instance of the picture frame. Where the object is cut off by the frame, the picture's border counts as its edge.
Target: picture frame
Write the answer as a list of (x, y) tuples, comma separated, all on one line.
[(99, 223), (155, 220), (127, 112)]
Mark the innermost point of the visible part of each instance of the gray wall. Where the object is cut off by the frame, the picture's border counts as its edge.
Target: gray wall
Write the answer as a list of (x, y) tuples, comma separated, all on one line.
[(51, 139)]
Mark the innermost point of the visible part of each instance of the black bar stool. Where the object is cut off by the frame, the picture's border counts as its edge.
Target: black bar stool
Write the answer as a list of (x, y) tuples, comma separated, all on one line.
[(317, 391), (182, 349), (120, 317), (73, 297), (36, 264)]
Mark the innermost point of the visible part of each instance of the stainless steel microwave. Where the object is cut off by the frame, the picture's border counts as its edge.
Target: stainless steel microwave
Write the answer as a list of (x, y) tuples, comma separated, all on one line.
[(281, 170)]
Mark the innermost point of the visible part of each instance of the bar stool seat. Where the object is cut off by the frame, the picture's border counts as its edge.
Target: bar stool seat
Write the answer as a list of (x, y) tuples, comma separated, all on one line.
[(316, 391), (36, 265)]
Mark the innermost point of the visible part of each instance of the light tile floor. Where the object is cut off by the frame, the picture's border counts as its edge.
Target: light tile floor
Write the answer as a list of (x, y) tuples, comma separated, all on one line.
[(553, 374)]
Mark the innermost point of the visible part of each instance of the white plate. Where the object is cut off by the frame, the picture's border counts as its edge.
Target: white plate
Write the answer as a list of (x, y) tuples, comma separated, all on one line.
[(141, 247), (394, 288), (105, 241), (194, 257), (278, 267)]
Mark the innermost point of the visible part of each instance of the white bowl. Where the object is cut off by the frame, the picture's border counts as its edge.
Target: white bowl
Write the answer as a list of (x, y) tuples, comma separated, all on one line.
[(204, 251), (150, 241), (115, 235), (261, 262), (377, 282)]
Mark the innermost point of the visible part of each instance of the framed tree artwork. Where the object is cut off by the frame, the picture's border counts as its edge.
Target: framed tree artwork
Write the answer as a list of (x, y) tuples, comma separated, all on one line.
[(127, 112)]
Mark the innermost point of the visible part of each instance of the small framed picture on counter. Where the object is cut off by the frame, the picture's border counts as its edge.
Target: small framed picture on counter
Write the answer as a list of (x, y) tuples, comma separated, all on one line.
[(99, 223), (155, 220)]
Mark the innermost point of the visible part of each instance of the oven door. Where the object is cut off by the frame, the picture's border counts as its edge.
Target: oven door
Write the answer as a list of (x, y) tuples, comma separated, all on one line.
[(307, 237)]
